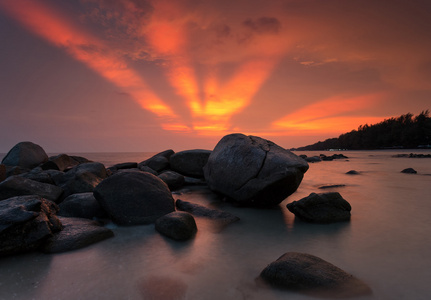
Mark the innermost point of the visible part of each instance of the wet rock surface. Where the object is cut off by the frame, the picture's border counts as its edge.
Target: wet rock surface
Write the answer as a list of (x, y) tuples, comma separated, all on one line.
[(321, 208), (202, 211), (190, 162), (252, 171), (81, 205), (25, 223), (77, 233)]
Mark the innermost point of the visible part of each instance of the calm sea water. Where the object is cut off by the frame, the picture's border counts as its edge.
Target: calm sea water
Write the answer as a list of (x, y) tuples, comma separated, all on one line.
[(386, 244)]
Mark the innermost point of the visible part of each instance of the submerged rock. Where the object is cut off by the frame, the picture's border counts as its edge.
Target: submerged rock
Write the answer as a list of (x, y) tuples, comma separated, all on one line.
[(253, 171), (132, 198), (190, 162), (25, 155), (321, 208), (308, 273), (202, 211), (177, 225), (77, 233), (20, 186), (352, 172), (25, 223)]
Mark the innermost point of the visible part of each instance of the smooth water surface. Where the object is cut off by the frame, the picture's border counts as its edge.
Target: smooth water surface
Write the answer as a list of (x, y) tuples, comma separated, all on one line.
[(386, 244)]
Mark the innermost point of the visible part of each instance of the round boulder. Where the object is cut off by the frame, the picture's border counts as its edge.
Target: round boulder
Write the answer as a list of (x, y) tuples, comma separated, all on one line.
[(253, 171), (132, 198), (26, 155), (305, 272), (321, 208), (177, 225)]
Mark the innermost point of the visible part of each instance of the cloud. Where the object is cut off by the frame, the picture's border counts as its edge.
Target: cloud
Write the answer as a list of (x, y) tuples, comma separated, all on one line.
[(263, 25)]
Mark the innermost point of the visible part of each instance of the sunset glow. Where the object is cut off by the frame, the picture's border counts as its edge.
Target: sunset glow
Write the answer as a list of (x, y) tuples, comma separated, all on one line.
[(202, 70)]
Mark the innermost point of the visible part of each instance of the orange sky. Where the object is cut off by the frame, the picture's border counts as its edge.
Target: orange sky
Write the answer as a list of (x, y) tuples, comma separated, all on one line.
[(129, 75)]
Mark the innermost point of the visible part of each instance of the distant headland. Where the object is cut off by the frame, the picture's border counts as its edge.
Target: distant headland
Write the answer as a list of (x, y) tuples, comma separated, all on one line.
[(404, 132)]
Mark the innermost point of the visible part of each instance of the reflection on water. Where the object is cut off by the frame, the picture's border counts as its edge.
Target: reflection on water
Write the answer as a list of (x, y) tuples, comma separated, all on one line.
[(386, 244)]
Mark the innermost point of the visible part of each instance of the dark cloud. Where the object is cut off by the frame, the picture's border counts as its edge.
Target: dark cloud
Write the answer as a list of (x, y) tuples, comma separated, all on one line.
[(263, 25)]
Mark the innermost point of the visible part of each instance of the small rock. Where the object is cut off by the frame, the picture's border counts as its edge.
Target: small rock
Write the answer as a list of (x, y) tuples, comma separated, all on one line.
[(321, 208), (77, 233), (158, 162), (313, 159), (173, 179), (331, 186), (177, 225), (353, 172), (409, 171)]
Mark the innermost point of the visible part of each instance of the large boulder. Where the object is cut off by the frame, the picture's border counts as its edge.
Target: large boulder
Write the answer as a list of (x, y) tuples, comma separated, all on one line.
[(177, 225), (321, 208), (25, 223), (81, 205), (20, 186), (26, 155), (253, 171), (305, 272), (190, 162), (131, 197), (77, 233)]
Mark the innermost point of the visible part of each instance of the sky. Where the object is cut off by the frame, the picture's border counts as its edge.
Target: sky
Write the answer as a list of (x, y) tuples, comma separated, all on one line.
[(150, 75)]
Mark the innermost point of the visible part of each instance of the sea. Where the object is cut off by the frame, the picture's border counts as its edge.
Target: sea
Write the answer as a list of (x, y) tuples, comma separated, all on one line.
[(386, 244)]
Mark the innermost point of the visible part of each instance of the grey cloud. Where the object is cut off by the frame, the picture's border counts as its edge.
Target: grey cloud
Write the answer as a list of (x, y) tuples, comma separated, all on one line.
[(263, 25)]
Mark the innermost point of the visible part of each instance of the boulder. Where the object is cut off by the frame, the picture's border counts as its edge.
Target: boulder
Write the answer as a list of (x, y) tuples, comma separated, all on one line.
[(81, 178), (26, 155), (81, 205), (132, 198), (25, 223), (77, 233), (60, 162), (173, 179), (321, 208), (158, 162), (148, 170), (16, 170), (201, 211), (2, 172), (177, 225), (409, 171), (20, 186), (190, 162), (308, 273), (253, 171)]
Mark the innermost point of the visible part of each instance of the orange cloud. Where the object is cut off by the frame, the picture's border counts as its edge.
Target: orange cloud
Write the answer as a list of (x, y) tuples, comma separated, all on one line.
[(330, 115), (56, 28)]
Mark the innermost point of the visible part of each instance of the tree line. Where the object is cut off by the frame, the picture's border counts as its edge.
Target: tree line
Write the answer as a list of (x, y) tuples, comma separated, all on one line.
[(406, 131)]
